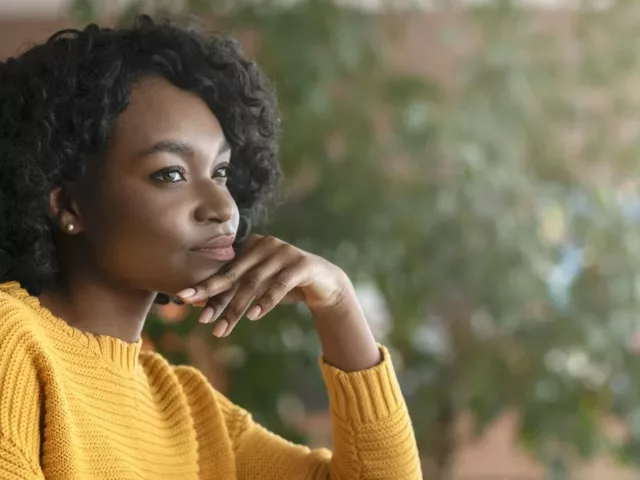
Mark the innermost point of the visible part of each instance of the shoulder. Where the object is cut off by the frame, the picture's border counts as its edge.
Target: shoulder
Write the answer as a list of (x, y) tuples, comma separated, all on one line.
[(20, 329), (21, 373)]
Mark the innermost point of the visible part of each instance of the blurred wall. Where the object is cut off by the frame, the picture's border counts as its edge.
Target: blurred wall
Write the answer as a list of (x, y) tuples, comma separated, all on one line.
[(16, 35), (17, 8)]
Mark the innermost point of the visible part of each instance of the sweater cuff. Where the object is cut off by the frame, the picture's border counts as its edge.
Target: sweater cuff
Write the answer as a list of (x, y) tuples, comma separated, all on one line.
[(365, 396)]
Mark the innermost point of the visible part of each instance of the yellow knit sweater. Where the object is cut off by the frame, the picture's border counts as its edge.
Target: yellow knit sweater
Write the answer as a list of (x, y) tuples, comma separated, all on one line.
[(81, 406)]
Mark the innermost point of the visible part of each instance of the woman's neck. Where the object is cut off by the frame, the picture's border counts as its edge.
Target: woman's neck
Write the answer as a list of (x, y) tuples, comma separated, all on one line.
[(100, 309)]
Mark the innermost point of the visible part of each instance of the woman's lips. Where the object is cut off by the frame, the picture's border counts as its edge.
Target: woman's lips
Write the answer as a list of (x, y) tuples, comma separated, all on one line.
[(218, 248), (222, 254)]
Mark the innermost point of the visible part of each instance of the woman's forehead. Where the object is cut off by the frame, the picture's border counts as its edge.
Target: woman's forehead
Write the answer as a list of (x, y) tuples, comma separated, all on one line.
[(158, 112)]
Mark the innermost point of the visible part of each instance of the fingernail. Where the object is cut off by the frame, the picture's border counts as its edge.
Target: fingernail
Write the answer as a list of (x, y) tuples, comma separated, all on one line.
[(206, 315), (253, 312), (220, 328), (187, 292)]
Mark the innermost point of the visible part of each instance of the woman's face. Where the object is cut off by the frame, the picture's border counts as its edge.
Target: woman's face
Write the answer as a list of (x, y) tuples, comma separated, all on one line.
[(160, 194)]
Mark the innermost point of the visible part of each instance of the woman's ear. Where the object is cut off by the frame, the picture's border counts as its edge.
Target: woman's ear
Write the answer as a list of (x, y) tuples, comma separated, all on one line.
[(64, 210)]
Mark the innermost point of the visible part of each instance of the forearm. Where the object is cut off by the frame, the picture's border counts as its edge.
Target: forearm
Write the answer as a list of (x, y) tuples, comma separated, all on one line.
[(345, 336), (372, 433)]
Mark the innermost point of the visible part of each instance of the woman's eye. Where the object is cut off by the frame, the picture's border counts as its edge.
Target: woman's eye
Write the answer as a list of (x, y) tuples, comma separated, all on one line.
[(169, 175), (223, 171)]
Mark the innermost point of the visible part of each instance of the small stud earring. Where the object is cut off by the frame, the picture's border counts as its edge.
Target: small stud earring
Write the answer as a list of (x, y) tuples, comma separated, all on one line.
[(71, 227)]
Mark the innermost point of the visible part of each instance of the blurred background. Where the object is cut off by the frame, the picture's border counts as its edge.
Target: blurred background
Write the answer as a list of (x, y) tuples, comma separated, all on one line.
[(474, 167)]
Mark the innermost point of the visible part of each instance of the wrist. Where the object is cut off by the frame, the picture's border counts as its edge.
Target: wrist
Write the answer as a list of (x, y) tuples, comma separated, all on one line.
[(345, 336), (343, 300)]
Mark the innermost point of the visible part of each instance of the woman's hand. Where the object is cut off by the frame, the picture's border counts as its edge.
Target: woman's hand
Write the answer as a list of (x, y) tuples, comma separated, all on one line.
[(269, 271), (266, 273)]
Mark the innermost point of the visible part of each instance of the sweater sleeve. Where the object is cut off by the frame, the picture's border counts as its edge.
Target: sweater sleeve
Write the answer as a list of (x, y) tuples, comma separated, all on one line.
[(372, 434), (15, 465), (19, 399)]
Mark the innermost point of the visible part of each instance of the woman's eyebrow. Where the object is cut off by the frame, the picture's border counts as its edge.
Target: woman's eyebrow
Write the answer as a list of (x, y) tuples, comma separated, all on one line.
[(179, 148), (169, 146)]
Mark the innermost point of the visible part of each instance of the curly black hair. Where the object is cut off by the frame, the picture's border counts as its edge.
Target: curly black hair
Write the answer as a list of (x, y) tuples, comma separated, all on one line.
[(58, 104)]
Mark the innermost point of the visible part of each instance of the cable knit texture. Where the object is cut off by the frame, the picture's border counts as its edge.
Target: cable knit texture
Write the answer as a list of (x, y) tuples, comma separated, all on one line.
[(80, 406)]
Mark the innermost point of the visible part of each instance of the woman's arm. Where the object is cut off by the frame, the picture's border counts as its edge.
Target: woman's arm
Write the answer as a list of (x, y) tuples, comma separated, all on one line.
[(345, 336), (372, 432), (14, 463), (20, 395)]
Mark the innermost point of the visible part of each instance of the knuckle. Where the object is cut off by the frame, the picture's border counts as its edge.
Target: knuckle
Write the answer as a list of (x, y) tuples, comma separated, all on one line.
[(273, 241), (269, 298), (252, 282), (229, 275), (205, 287), (281, 283), (305, 262), (293, 252)]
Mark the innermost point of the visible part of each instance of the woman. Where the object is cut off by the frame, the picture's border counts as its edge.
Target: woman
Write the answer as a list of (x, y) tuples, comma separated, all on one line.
[(132, 162)]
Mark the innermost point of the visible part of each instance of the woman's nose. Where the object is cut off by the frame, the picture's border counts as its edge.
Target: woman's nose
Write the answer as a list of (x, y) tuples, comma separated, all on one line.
[(215, 205)]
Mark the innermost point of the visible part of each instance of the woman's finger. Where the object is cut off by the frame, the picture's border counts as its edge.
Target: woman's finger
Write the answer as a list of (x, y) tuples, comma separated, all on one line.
[(215, 305), (282, 285), (256, 252), (252, 284)]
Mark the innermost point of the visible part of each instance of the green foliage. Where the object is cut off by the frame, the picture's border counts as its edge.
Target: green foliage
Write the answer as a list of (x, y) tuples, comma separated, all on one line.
[(494, 216)]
